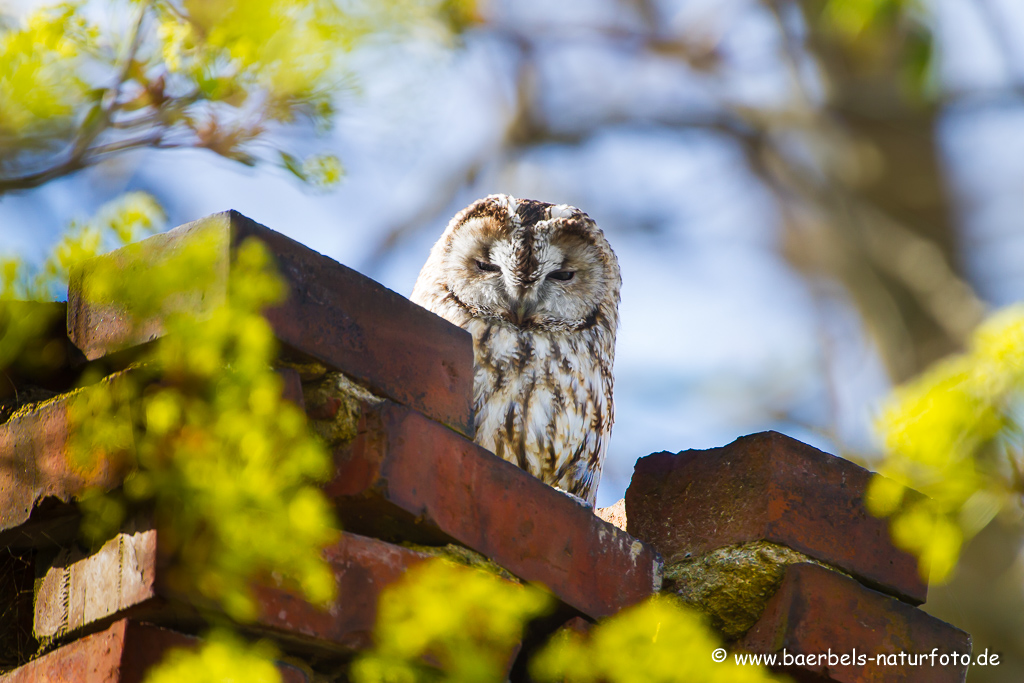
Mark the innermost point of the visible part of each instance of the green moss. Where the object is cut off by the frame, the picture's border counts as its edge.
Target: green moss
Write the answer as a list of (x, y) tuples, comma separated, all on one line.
[(309, 371), (731, 585), (464, 556), (333, 405), (27, 401)]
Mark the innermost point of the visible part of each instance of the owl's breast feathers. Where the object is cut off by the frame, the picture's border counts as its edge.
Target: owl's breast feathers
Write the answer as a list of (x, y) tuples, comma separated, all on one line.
[(543, 400)]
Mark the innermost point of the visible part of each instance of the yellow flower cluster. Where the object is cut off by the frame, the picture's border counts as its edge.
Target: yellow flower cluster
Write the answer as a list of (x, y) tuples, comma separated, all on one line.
[(40, 87), (949, 434), (658, 641), (223, 658), (228, 466), (463, 621)]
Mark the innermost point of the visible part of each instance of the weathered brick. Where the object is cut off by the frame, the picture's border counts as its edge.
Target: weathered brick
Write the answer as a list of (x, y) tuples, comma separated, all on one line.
[(333, 315), (35, 462), (363, 568), (76, 593), (123, 653), (125, 578), (769, 487), (614, 513), (406, 477), (818, 611), (36, 465)]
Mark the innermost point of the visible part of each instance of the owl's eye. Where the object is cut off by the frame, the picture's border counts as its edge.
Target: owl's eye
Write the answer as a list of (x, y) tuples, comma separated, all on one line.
[(488, 267), (562, 275)]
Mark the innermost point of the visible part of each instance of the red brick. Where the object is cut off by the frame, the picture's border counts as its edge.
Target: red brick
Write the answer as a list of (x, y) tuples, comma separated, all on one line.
[(35, 463), (407, 477), (363, 568), (75, 594), (579, 626), (123, 653), (124, 578), (333, 315), (768, 487), (817, 610)]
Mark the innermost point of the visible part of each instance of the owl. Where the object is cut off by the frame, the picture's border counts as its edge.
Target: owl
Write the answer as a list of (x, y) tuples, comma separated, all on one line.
[(537, 285)]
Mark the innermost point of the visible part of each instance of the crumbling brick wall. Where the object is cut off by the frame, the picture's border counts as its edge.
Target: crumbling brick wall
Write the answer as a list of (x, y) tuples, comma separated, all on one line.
[(767, 536)]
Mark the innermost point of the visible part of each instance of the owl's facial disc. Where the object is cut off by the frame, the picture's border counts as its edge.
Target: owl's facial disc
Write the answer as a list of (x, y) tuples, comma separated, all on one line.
[(540, 269)]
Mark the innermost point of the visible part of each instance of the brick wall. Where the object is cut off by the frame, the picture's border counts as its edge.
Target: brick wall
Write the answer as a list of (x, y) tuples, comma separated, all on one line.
[(768, 536)]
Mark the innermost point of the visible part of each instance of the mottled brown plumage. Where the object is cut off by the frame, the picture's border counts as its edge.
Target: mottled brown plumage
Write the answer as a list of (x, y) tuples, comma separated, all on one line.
[(537, 285)]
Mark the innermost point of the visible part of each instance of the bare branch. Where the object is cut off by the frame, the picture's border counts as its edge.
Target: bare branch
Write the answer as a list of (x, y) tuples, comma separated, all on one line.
[(100, 151), (31, 180)]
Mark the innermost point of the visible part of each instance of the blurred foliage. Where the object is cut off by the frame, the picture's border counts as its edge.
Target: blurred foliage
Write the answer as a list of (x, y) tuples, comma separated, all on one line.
[(85, 80), (867, 28), (855, 19), (223, 658), (226, 467), (955, 434), (445, 622), (40, 86), (658, 641), (129, 217), (123, 220), (321, 171)]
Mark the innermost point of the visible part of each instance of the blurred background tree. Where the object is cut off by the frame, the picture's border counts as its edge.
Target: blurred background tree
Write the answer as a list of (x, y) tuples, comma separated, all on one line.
[(812, 200)]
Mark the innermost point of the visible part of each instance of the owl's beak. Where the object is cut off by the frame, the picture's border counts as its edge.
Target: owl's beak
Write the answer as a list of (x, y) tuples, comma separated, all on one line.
[(521, 310), (521, 301)]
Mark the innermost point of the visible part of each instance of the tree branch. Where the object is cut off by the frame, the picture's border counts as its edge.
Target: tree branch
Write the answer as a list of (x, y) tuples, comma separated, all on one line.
[(95, 123)]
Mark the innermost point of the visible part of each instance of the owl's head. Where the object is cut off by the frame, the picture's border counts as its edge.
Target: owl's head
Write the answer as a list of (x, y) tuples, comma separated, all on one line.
[(523, 263)]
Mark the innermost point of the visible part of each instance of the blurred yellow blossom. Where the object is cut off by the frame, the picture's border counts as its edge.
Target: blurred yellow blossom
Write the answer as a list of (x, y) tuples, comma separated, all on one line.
[(448, 622), (658, 641), (222, 658), (954, 435), (40, 87)]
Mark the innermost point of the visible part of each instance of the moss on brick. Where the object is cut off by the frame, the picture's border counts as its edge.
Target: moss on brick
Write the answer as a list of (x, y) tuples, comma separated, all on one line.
[(333, 404), (309, 371), (731, 585), (464, 556)]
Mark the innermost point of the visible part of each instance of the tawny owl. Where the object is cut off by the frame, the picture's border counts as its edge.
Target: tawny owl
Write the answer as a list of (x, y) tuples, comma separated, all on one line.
[(537, 285)]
